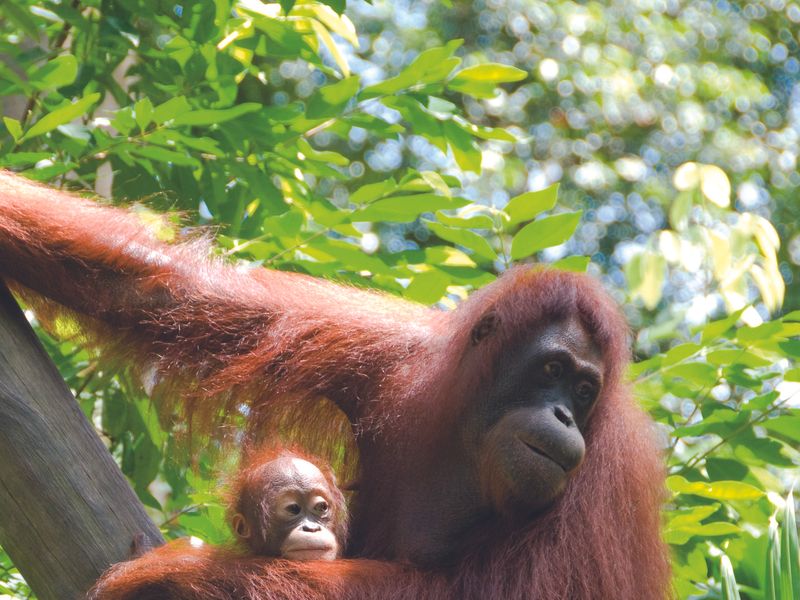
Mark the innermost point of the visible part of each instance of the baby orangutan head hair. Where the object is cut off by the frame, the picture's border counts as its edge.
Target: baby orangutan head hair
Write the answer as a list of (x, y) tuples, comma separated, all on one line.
[(283, 505)]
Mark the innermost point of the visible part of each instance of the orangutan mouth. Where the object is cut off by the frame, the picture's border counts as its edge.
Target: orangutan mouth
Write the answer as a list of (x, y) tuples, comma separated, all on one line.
[(541, 452)]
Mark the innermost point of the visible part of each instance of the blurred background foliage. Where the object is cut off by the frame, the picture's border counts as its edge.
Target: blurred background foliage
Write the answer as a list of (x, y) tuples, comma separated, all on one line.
[(423, 147)]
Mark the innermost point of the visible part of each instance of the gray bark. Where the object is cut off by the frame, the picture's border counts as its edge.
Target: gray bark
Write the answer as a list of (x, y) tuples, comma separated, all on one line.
[(66, 510)]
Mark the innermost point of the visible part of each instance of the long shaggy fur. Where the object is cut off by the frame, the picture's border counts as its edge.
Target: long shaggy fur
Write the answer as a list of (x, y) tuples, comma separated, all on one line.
[(285, 353)]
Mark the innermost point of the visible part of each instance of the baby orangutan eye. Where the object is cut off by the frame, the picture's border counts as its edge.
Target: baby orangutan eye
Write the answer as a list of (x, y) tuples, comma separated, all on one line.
[(293, 509), (321, 507)]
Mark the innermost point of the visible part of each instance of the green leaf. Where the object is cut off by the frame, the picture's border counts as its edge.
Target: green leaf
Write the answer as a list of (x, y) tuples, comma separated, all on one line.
[(476, 222), (680, 535), (792, 375), (487, 133), (494, 72), (644, 366), (465, 150), (165, 156), (743, 357), (432, 65), (575, 264), (323, 156), (404, 209), (691, 516), (763, 401), (679, 211), (761, 332), (287, 5), (436, 182), (213, 116), (773, 582), (57, 72), (170, 109), (680, 352), (790, 347), (719, 328), (422, 121), (337, 5), (646, 273), (14, 128), (730, 590), (477, 89), (62, 115), (526, 206), (722, 422), (790, 555), (464, 237), (373, 191), (481, 81), (143, 113), (22, 159), (544, 233), (48, 173), (329, 101), (427, 287), (717, 490)]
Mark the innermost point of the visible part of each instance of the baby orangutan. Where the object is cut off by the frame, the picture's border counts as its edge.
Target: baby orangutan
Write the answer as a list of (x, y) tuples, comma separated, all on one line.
[(282, 505)]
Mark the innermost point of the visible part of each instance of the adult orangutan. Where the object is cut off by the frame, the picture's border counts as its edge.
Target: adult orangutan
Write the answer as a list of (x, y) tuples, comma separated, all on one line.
[(499, 449)]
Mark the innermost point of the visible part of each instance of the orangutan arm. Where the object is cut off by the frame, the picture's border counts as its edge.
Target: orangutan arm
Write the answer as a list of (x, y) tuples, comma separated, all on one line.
[(179, 571), (177, 311)]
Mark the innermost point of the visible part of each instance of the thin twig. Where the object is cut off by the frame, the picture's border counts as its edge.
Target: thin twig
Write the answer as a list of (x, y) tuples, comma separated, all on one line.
[(762, 417)]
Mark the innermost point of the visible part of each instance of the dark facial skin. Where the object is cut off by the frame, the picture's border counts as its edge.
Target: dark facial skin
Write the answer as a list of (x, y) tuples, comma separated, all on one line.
[(533, 417), (513, 449), (290, 516)]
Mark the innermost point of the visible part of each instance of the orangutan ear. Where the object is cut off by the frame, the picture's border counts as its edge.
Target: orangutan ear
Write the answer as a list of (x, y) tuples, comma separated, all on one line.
[(240, 526), (485, 327)]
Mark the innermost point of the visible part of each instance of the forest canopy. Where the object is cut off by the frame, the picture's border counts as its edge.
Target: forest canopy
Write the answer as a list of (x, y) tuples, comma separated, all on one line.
[(422, 148)]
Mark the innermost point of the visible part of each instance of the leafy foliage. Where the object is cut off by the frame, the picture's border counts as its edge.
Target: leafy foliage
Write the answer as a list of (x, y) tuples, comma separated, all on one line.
[(283, 127)]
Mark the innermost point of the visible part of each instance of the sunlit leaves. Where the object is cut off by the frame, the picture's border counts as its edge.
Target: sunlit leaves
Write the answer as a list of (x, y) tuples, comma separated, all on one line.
[(61, 116), (406, 208), (427, 287), (58, 72), (481, 81), (530, 204), (790, 553), (575, 264), (212, 116), (712, 181), (465, 150), (432, 65), (730, 590), (328, 101), (718, 490), (466, 238), (645, 273), (544, 233), (14, 127), (478, 221)]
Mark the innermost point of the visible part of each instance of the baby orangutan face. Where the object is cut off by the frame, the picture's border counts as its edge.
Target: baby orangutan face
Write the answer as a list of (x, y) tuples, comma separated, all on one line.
[(288, 508)]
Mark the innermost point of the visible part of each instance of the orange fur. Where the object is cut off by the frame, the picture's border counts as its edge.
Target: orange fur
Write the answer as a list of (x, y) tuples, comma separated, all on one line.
[(219, 338)]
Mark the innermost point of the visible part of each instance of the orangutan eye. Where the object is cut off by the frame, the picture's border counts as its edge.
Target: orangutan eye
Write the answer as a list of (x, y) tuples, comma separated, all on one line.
[(293, 509), (321, 507), (553, 369), (585, 391)]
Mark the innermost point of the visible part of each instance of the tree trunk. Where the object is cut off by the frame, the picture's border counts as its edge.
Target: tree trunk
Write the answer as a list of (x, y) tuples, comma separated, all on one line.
[(66, 510)]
